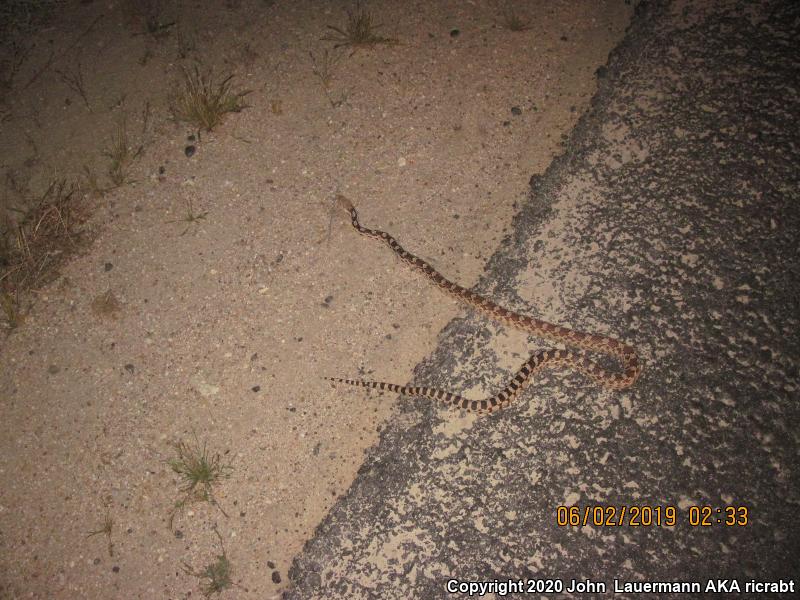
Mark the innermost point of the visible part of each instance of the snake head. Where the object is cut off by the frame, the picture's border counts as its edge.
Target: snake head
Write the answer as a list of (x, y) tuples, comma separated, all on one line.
[(343, 203)]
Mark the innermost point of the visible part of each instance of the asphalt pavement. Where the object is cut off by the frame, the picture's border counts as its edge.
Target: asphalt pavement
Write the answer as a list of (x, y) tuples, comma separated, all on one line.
[(678, 199)]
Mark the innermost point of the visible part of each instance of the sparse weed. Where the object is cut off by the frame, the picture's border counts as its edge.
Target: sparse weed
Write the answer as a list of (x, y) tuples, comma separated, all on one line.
[(12, 58), (190, 218), (14, 318), (92, 183), (218, 575), (21, 17), (108, 526), (73, 78), (359, 32), (324, 69), (199, 471), (19, 21), (121, 154), (150, 14), (186, 42), (514, 22), (203, 103), (106, 305)]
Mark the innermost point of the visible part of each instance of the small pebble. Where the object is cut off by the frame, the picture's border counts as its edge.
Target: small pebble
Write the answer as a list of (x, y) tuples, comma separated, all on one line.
[(516, 111), (276, 577), (189, 151), (53, 369), (256, 388), (129, 368), (108, 266), (454, 33), (270, 564)]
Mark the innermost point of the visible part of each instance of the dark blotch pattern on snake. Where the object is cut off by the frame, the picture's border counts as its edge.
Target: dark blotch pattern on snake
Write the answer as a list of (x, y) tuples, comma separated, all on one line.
[(574, 359)]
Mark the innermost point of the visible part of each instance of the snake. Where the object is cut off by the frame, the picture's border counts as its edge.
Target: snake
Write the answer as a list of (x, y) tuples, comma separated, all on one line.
[(575, 358)]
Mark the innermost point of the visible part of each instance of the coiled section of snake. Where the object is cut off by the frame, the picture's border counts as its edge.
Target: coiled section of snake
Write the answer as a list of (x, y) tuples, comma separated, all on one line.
[(575, 358)]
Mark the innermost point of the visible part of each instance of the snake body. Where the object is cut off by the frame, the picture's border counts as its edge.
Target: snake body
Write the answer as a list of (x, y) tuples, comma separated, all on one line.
[(575, 359)]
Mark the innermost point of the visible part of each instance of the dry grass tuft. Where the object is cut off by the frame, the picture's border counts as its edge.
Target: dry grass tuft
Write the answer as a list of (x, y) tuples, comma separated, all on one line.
[(121, 154), (359, 32), (204, 103), (36, 245)]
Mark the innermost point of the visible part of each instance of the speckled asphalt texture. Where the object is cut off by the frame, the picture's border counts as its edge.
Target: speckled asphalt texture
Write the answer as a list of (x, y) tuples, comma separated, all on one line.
[(677, 197)]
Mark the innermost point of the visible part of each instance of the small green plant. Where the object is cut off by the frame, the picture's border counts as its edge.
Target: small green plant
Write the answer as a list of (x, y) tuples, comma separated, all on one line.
[(108, 526), (191, 218), (203, 103), (121, 154), (514, 22), (199, 471), (359, 32), (218, 574)]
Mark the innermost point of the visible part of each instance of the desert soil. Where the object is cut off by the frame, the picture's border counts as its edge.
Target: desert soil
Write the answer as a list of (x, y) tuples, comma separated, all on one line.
[(215, 332)]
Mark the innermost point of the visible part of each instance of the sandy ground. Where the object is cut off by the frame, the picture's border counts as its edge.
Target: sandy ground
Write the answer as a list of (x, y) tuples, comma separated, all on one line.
[(222, 328)]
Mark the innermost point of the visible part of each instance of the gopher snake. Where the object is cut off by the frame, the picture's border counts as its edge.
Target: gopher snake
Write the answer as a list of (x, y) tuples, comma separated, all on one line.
[(577, 360)]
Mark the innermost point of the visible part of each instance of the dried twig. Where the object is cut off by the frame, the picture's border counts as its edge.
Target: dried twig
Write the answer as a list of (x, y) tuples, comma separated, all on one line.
[(74, 81)]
